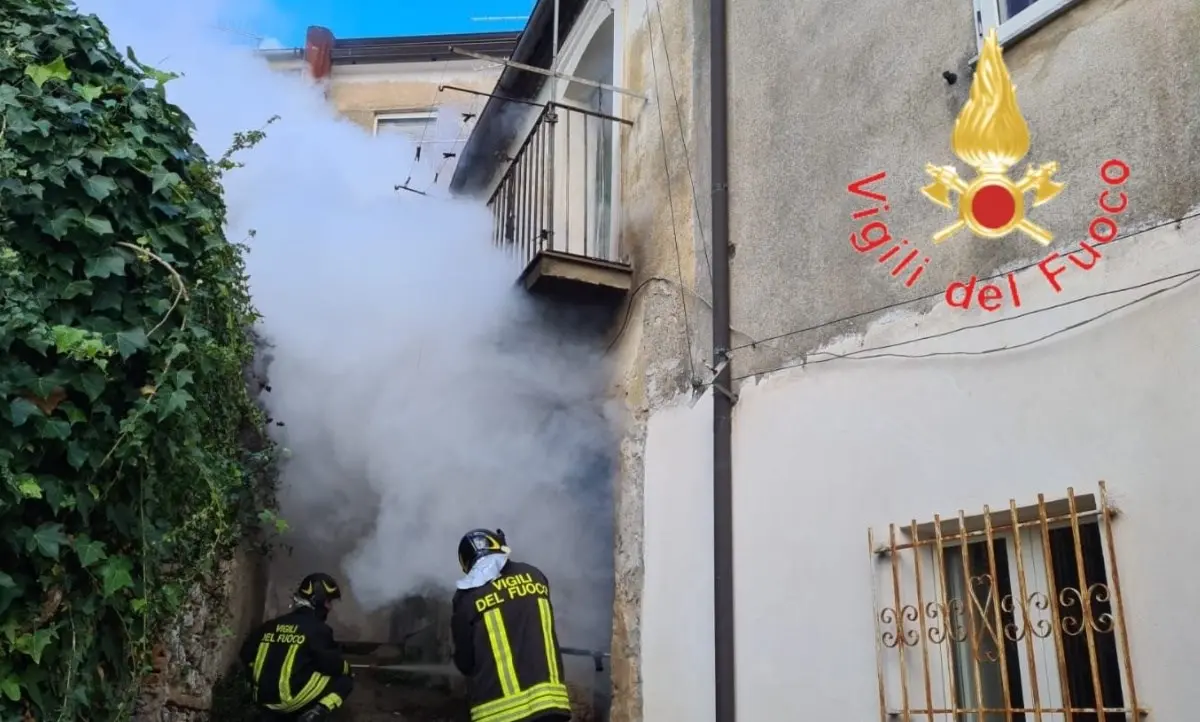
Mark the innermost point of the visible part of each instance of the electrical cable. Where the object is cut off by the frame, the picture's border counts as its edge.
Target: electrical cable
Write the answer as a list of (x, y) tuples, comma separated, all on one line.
[(629, 309), (458, 140), (435, 104), (898, 304), (687, 327), (687, 154), (1187, 277)]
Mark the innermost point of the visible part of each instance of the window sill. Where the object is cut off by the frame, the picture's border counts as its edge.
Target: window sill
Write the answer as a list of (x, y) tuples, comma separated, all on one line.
[(1026, 23)]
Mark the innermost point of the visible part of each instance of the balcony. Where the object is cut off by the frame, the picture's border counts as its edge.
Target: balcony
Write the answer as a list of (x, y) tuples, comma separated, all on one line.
[(553, 208)]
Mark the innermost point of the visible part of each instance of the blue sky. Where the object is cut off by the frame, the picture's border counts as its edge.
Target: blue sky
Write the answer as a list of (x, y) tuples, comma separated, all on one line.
[(374, 18)]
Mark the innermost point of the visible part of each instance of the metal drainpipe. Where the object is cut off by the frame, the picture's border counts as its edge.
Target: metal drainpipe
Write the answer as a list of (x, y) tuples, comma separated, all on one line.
[(723, 399)]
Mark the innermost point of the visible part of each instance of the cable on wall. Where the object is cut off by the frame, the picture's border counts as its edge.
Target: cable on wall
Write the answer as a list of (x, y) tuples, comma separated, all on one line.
[(687, 328), (1178, 222), (687, 155), (1185, 278)]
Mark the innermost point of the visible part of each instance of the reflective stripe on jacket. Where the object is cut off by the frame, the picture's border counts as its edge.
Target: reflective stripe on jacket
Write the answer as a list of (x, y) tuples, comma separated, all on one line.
[(292, 659), (506, 644)]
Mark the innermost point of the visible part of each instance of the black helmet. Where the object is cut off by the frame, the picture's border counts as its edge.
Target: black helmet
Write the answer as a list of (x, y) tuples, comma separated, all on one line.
[(318, 588), (479, 543)]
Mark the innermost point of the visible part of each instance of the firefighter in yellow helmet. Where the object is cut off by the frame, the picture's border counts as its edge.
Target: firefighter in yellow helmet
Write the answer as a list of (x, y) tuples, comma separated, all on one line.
[(297, 670), (505, 641)]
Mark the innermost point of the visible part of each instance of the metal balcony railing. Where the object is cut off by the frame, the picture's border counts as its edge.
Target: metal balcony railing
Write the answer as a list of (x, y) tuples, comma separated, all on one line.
[(557, 194)]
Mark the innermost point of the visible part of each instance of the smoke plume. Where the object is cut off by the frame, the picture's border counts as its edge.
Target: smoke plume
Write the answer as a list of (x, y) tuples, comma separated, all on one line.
[(421, 394)]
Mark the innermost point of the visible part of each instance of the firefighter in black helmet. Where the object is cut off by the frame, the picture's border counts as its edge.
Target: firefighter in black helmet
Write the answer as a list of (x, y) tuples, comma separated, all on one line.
[(505, 641), (297, 670)]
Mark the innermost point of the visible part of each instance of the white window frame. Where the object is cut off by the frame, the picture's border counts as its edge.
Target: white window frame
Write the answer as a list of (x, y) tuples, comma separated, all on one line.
[(593, 16), (987, 16), (429, 116)]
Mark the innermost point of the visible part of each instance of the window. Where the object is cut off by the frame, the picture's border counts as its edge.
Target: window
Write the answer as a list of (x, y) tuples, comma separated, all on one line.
[(1015, 18), (414, 125), (600, 190), (1010, 616)]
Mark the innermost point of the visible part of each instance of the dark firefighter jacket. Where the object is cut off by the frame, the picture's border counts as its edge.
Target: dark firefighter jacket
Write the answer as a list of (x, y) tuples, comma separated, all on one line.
[(291, 660), (506, 645)]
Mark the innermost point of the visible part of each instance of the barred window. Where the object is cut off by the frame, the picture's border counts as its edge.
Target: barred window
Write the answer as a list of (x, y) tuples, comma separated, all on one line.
[(1006, 616)]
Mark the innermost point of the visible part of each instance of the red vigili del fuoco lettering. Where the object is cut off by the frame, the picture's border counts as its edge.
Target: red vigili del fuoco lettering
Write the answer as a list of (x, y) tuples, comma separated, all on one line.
[(875, 234)]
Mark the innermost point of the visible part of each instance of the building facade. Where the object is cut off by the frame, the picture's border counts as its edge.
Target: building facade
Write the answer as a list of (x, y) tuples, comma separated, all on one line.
[(958, 474), (421, 87)]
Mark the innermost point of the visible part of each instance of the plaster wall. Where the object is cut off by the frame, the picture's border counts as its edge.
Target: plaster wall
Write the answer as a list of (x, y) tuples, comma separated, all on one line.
[(822, 95), (361, 91), (823, 452), (827, 93), (658, 341)]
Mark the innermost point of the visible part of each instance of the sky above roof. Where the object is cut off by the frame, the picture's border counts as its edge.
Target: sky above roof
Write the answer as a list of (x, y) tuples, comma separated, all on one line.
[(288, 20)]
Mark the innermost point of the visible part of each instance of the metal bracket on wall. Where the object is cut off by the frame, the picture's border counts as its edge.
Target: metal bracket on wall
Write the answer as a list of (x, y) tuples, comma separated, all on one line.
[(716, 372), (698, 386), (549, 73)]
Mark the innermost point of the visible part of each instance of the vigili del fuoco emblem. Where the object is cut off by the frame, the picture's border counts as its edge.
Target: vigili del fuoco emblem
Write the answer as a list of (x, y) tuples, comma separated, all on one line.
[(991, 136)]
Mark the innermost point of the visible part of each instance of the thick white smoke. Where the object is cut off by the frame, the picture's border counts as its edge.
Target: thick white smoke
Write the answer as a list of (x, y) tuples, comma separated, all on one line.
[(422, 395)]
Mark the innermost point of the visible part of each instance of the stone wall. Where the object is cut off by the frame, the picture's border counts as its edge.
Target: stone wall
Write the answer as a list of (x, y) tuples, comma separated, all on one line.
[(200, 649)]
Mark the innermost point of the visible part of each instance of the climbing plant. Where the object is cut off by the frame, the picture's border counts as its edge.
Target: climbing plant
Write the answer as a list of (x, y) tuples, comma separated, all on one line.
[(132, 454)]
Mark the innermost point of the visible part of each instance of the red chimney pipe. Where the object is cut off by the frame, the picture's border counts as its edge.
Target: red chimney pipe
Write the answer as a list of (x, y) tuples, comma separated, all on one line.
[(318, 51)]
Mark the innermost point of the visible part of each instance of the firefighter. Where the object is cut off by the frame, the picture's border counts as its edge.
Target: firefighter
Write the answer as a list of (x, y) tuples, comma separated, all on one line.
[(298, 671), (505, 642)]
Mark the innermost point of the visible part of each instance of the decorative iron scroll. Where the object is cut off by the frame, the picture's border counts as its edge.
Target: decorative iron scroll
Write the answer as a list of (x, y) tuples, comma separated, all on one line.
[(933, 630)]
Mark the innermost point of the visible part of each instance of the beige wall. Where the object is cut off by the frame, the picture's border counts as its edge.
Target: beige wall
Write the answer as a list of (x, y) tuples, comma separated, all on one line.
[(361, 91)]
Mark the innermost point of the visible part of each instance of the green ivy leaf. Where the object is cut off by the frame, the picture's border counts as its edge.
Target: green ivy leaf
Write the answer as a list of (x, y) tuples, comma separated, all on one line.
[(34, 644), (55, 429), (19, 410), (41, 74), (89, 92), (131, 341), (176, 400), (92, 383), (76, 288), (114, 574), (11, 687), (77, 455), (89, 551), (99, 225), (6, 582), (99, 187), (47, 539), (110, 264), (163, 178), (28, 486)]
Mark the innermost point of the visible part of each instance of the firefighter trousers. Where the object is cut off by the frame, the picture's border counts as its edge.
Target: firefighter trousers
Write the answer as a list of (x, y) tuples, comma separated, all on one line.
[(340, 686)]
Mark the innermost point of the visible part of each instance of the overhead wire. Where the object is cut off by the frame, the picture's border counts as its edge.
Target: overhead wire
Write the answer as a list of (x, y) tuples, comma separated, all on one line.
[(687, 328), (434, 105), (1184, 276), (687, 154), (937, 294), (458, 140)]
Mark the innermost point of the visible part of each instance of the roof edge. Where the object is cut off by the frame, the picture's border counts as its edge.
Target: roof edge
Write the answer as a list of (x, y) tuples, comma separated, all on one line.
[(533, 48)]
